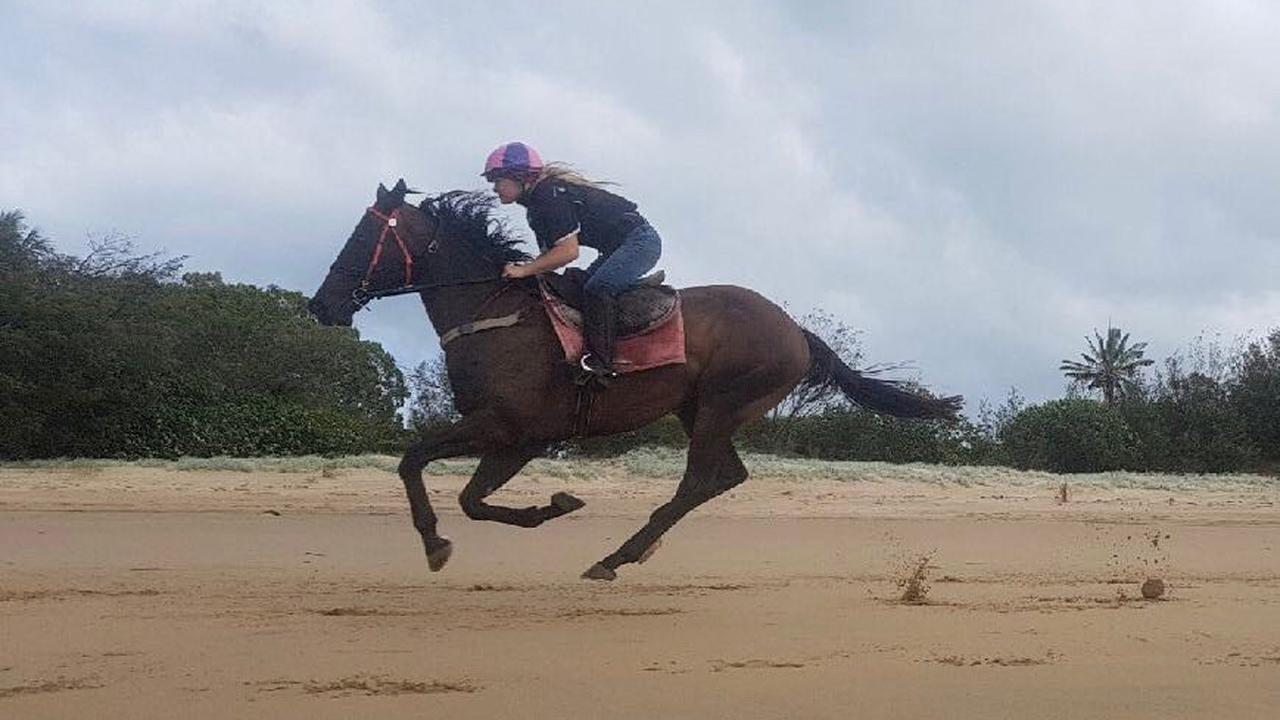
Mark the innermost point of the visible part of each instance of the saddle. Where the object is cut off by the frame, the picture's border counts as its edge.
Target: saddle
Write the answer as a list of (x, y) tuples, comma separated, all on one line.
[(639, 309), (650, 326)]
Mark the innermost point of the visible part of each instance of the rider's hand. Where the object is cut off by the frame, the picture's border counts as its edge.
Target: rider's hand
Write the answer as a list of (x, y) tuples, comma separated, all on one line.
[(512, 271)]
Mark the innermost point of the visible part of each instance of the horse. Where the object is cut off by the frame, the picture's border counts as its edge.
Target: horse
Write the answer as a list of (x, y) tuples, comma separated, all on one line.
[(517, 395)]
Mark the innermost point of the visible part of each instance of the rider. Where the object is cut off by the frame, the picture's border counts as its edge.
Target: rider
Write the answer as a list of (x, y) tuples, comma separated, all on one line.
[(566, 210)]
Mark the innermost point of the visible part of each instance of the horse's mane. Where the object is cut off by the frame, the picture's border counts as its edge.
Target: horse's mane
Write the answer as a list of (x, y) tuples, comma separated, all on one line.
[(467, 215)]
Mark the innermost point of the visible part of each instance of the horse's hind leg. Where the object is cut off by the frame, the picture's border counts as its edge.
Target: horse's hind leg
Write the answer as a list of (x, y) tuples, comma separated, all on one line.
[(713, 467), (732, 471), (733, 468), (713, 464), (495, 469)]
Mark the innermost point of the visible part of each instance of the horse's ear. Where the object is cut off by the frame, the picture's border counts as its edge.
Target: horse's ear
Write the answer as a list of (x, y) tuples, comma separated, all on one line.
[(402, 187), (397, 192), (382, 192)]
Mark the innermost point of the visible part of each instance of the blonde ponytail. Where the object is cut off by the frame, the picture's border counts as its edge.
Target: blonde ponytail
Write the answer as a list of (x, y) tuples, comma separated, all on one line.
[(565, 173)]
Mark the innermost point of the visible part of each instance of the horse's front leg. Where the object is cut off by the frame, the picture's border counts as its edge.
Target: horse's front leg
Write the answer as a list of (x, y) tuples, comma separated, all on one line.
[(461, 438), (495, 469)]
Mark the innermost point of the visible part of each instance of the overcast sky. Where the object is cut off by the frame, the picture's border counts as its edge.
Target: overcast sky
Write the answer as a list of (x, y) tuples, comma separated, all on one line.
[(975, 185)]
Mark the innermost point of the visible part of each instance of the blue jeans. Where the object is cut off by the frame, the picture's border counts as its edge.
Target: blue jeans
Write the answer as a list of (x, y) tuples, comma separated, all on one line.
[(618, 271)]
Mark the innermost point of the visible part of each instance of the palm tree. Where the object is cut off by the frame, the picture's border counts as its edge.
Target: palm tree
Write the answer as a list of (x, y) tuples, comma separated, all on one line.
[(1110, 365)]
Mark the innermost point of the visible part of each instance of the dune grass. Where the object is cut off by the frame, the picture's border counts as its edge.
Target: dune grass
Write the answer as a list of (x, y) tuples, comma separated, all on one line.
[(668, 463)]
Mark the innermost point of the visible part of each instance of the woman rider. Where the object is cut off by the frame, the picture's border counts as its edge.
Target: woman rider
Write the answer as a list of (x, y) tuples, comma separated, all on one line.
[(566, 211)]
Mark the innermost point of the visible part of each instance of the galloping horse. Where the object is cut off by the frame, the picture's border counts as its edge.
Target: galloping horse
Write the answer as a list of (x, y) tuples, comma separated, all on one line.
[(516, 394)]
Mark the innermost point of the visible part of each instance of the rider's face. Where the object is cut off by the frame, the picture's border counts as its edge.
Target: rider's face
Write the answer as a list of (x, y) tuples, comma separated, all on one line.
[(507, 189)]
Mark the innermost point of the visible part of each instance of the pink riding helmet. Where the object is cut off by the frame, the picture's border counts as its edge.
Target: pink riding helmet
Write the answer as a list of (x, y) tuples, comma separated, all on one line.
[(512, 160)]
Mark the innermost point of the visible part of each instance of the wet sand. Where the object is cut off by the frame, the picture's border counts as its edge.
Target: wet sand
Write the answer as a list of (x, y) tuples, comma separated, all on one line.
[(132, 592)]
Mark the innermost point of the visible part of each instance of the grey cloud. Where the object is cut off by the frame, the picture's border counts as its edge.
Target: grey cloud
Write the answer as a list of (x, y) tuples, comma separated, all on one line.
[(976, 185)]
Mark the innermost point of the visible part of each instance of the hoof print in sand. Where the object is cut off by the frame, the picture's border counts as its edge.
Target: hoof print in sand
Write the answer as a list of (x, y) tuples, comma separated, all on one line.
[(1049, 658), (369, 685), (49, 686), (722, 665)]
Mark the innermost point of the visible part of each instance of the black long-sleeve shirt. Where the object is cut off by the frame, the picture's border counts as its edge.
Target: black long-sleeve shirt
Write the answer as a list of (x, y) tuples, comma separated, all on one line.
[(556, 208)]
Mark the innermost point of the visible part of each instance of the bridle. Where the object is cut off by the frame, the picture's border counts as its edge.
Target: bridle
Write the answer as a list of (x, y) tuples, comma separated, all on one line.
[(361, 295)]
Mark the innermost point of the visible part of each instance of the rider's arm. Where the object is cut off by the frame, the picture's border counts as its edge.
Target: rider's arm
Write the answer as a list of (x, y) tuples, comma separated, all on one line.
[(562, 253)]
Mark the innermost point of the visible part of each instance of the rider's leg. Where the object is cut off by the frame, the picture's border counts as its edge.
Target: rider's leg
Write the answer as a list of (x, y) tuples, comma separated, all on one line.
[(610, 276)]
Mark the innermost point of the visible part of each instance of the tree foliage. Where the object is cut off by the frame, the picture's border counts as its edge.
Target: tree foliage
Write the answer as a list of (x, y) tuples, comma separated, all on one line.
[(1111, 365), (1186, 420), (846, 342), (111, 354), (1256, 395), (432, 395)]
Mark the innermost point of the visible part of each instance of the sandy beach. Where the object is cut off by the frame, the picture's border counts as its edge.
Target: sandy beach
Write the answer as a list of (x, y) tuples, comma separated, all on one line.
[(154, 592)]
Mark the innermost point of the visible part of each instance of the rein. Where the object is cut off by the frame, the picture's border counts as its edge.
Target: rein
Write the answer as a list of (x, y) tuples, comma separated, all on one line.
[(362, 296)]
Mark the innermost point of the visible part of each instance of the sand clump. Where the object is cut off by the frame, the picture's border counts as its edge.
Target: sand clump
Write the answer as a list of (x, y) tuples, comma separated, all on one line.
[(914, 582), (1153, 588)]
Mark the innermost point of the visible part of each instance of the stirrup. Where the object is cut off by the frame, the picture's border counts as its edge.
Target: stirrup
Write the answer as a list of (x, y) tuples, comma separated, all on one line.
[(597, 371)]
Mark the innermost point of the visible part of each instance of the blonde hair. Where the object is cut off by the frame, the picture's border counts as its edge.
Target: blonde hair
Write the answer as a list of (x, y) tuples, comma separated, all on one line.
[(565, 173)]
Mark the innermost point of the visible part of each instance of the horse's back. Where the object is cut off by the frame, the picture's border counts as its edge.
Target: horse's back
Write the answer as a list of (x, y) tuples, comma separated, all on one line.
[(736, 329), (721, 304)]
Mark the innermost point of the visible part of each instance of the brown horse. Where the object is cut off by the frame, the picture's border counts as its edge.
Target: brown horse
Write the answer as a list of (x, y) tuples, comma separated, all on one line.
[(517, 395)]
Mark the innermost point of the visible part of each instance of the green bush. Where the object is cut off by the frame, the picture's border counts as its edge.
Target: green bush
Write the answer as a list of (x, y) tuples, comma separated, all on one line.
[(1070, 436), (1154, 447), (1256, 396), (261, 427), (1190, 426), (113, 355), (853, 434)]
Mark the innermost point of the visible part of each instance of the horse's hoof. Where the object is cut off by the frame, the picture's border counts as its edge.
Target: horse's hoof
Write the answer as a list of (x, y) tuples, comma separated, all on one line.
[(566, 503), (437, 557), (649, 551), (599, 572)]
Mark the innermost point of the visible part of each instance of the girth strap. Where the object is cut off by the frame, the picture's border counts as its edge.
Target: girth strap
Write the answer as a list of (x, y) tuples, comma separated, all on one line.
[(475, 326)]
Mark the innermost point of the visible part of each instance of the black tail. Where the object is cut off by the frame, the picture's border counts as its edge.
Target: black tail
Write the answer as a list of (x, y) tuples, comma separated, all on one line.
[(882, 396)]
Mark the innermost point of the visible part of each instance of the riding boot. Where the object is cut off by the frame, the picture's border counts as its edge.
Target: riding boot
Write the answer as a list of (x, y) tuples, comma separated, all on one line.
[(600, 328)]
